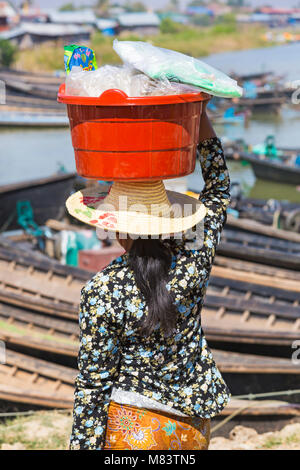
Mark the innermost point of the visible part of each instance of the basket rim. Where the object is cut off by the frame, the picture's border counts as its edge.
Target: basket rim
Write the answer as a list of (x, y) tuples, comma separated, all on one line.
[(115, 97)]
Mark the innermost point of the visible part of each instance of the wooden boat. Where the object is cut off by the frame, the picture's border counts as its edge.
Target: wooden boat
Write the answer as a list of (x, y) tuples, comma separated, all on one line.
[(262, 249), (29, 380), (32, 119), (271, 170), (283, 214), (46, 195), (41, 86), (247, 303), (261, 104), (249, 307)]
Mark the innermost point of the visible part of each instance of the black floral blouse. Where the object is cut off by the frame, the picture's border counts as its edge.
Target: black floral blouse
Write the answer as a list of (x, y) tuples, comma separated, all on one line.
[(178, 371)]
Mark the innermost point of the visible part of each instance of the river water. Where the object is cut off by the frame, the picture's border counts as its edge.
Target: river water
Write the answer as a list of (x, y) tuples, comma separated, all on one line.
[(28, 154)]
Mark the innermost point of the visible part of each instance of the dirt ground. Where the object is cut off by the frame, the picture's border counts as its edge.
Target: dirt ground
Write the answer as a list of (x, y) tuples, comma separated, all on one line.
[(51, 430)]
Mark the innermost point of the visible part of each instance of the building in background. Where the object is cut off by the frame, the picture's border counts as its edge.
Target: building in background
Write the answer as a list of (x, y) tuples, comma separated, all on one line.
[(27, 35), (86, 17), (141, 23), (107, 26), (8, 16)]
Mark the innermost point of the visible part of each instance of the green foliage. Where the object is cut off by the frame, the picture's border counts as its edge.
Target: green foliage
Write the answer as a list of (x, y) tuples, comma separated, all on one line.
[(236, 3), (168, 26), (98, 38), (220, 29), (135, 6), (197, 3), (7, 53), (67, 7), (201, 20)]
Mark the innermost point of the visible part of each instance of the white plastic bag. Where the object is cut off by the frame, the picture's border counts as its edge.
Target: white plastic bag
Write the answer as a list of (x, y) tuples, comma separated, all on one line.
[(125, 78), (164, 64)]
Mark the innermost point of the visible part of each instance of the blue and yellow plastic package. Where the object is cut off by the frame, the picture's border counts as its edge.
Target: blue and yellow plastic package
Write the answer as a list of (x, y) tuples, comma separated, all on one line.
[(79, 56)]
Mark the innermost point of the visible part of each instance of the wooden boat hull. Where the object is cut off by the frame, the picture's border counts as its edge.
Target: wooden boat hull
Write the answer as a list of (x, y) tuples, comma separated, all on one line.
[(273, 171), (46, 195), (21, 119)]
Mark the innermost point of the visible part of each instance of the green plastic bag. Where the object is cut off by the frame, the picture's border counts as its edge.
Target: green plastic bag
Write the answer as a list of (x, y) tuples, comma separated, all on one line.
[(164, 64)]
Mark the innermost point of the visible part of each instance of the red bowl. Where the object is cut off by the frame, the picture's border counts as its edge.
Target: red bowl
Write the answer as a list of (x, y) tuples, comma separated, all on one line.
[(116, 137)]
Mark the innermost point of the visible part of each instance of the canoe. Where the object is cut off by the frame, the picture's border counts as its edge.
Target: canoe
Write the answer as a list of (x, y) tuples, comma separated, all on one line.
[(271, 170), (29, 380), (46, 195)]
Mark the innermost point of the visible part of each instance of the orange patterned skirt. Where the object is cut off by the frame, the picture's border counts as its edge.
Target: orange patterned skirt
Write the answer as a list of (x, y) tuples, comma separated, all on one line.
[(132, 428)]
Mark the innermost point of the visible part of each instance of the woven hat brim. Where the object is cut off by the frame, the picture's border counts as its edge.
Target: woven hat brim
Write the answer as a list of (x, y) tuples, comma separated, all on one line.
[(87, 206)]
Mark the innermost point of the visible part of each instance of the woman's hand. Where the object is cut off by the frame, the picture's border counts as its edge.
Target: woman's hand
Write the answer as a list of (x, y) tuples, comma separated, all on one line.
[(206, 128)]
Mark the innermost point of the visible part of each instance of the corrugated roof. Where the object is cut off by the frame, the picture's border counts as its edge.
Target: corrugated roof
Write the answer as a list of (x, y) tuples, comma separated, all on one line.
[(105, 23), (138, 19), (73, 17), (44, 30)]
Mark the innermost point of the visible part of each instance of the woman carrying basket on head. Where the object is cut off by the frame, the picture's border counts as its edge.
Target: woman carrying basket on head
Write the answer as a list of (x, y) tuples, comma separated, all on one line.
[(147, 379)]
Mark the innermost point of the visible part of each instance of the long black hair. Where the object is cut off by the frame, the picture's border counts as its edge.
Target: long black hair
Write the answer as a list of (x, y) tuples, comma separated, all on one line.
[(150, 260)]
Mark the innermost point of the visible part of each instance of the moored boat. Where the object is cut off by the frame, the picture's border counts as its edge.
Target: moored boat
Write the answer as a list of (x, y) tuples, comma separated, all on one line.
[(46, 195)]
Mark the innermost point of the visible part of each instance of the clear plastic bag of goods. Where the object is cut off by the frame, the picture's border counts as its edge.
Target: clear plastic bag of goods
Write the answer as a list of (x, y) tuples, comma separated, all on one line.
[(125, 78), (164, 64)]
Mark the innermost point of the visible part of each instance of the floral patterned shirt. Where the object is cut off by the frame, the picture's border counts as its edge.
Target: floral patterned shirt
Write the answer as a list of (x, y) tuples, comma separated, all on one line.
[(179, 370)]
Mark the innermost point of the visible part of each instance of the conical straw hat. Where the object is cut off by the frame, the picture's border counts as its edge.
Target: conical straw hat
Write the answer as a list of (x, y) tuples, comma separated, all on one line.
[(140, 208)]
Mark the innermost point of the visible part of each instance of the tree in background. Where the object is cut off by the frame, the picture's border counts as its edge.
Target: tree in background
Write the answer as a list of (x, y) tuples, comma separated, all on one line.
[(102, 7), (173, 6), (198, 3), (135, 6), (7, 53), (201, 20), (236, 3), (68, 7), (168, 26)]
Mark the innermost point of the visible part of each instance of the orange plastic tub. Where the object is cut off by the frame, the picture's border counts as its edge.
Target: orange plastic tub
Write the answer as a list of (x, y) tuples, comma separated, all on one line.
[(120, 138)]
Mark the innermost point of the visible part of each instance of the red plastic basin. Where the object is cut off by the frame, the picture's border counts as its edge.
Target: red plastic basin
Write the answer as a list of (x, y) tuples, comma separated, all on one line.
[(116, 137)]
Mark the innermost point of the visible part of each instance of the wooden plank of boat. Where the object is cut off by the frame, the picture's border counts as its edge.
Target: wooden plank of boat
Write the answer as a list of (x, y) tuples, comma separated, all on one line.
[(258, 228), (27, 380), (25, 393), (40, 367), (260, 255), (239, 273), (36, 282), (12, 253), (259, 291), (261, 408), (41, 91), (9, 109), (21, 316), (261, 241), (256, 273), (30, 77), (40, 339), (262, 102), (36, 303), (227, 332), (46, 195), (21, 119), (237, 363), (32, 102)]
